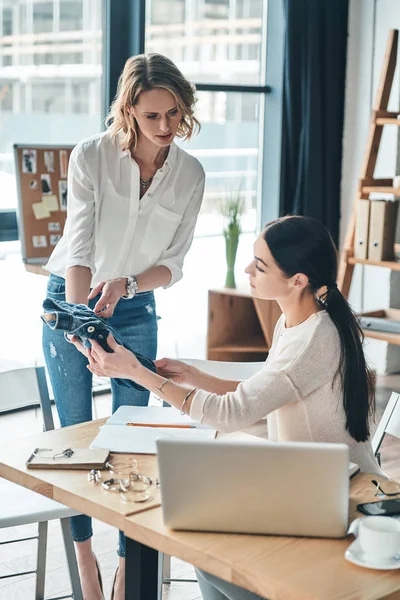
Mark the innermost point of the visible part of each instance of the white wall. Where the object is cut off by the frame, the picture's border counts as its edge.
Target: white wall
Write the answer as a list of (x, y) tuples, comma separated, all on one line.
[(369, 24)]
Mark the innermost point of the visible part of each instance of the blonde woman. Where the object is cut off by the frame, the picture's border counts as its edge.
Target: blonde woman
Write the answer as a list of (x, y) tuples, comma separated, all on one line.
[(133, 201)]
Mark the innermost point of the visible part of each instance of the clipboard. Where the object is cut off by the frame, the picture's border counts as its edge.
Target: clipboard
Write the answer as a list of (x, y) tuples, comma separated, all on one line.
[(81, 458)]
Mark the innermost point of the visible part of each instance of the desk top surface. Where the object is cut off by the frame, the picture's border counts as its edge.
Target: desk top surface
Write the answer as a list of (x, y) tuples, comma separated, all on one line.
[(271, 566), (71, 487)]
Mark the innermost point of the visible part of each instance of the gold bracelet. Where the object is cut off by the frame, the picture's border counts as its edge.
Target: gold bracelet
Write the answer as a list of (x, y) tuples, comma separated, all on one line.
[(186, 399), (165, 383)]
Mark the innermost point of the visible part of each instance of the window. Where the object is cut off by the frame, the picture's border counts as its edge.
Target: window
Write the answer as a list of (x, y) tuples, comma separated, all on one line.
[(71, 15), (7, 21), (6, 96), (52, 94), (217, 44), (42, 17), (228, 149), (211, 42)]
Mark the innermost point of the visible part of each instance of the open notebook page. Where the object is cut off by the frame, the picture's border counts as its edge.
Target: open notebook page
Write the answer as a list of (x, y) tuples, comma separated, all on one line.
[(142, 440), (150, 414)]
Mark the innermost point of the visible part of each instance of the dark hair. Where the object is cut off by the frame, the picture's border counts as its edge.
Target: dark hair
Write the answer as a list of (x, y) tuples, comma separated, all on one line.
[(303, 245)]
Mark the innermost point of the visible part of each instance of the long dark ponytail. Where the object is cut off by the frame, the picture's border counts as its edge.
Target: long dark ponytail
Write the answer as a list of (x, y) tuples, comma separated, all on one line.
[(303, 245)]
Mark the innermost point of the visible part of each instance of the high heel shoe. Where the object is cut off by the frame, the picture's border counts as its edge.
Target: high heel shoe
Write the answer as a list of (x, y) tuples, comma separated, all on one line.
[(99, 574), (113, 585)]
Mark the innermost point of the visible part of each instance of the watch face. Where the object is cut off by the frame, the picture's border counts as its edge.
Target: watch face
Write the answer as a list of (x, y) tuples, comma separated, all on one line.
[(132, 286)]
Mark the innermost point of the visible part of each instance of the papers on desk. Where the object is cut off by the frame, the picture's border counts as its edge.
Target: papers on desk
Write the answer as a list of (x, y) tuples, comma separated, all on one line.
[(147, 426), (154, 415)]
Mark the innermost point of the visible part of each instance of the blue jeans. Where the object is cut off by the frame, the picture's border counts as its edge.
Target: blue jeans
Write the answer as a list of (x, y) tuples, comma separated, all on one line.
[(136, 323), (213, 588)]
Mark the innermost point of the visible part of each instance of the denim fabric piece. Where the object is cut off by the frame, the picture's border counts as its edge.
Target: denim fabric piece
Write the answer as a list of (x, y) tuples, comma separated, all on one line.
[(81, 321)]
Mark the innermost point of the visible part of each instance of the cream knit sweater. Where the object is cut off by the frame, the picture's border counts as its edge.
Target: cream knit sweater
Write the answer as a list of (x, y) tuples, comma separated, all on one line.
[(294, 397)]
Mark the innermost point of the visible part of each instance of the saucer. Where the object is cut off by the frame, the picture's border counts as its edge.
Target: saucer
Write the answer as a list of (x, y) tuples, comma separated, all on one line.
[(355, 555)]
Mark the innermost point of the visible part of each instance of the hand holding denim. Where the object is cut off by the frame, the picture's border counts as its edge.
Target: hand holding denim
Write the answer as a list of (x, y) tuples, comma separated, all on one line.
[(120, 363), (82, 322)]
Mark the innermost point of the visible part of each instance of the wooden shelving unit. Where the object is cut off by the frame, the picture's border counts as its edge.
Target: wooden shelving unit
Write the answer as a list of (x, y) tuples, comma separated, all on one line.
[(388, 264), (240, 327), (380, 117), (390, 313)]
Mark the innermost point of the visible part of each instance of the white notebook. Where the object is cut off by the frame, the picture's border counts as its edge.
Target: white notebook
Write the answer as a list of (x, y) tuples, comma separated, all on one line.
[(117, 436), (150, 414), (142, 440)]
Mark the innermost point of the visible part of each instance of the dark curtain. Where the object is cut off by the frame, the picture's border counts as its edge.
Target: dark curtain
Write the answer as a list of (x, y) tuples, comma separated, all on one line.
[(313, 109)]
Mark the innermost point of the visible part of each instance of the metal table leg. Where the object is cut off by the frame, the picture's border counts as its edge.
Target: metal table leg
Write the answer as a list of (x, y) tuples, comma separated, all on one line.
[(141, 578)]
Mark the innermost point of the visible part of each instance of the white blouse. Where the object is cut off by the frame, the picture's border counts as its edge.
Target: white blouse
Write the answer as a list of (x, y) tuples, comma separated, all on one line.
[(113, 232)]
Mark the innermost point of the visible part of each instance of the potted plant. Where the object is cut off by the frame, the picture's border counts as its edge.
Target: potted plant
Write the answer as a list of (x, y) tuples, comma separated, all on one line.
[(232, 208)]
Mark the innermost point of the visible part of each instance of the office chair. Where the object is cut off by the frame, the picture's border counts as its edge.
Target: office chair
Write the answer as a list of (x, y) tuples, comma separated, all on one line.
[(389, 423)]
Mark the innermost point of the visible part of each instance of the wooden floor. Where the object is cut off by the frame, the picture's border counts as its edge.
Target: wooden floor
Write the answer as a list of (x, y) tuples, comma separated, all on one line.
[(17, 557)]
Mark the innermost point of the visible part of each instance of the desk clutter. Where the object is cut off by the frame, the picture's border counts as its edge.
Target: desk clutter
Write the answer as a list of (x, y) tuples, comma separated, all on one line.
[(136, 429), (126, 480)]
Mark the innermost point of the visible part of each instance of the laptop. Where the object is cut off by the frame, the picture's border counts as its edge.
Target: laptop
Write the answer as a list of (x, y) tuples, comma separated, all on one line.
[(293, 488)]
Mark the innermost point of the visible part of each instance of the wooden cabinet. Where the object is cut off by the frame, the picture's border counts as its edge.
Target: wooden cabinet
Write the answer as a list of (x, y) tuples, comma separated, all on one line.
[(240, 327)]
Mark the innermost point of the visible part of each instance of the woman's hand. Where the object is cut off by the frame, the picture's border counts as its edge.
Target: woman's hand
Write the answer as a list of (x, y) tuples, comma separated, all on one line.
[(121, 363), (111, 292), (175, 370)]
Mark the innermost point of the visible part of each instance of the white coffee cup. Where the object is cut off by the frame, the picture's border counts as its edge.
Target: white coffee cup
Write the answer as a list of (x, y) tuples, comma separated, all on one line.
[(379, 537)]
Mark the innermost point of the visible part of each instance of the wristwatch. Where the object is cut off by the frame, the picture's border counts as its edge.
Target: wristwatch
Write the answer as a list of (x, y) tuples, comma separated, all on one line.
[(131, 287)]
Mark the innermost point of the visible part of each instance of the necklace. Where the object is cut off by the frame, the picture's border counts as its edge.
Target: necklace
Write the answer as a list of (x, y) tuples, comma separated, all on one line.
[(145, 184)]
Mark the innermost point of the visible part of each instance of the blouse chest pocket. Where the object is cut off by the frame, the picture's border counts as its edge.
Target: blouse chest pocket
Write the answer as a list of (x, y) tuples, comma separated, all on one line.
[(161, 227)]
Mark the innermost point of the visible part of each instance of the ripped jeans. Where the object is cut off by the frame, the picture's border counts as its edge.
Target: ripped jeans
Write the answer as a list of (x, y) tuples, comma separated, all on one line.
[(136, 323)]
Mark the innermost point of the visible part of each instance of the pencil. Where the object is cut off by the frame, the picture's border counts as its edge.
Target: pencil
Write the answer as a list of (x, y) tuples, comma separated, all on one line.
[(167, 426)]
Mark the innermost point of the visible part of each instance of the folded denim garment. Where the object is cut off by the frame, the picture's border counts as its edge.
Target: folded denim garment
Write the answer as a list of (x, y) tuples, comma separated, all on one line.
[(81, 321)]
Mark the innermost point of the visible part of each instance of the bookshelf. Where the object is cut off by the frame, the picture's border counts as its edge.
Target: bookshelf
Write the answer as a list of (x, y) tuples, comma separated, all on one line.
[(240, 327), (380, 117)]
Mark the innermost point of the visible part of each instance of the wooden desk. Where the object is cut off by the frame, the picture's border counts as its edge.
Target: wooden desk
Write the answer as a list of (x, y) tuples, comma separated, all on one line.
[(279, 568)]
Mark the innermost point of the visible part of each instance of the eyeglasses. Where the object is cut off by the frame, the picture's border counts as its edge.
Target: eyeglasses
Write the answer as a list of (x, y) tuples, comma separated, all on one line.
[(388, 487)]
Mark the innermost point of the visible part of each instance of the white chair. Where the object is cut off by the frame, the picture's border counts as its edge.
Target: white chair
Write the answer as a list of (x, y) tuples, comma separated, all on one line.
[(232, 371), (20, 506), (389, 423)]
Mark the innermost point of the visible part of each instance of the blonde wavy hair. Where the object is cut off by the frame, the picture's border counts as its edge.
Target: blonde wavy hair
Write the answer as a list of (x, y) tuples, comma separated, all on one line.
[(143, 73)]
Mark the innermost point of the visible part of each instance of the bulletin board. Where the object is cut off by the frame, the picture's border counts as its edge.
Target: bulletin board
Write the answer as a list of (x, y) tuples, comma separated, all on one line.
[(42, 198)]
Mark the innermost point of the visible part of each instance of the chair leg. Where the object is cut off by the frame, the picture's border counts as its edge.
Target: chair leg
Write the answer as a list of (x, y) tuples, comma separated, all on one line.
[(166, 567), (165, 570), (41, 561), (71, 559), (160, 576)]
